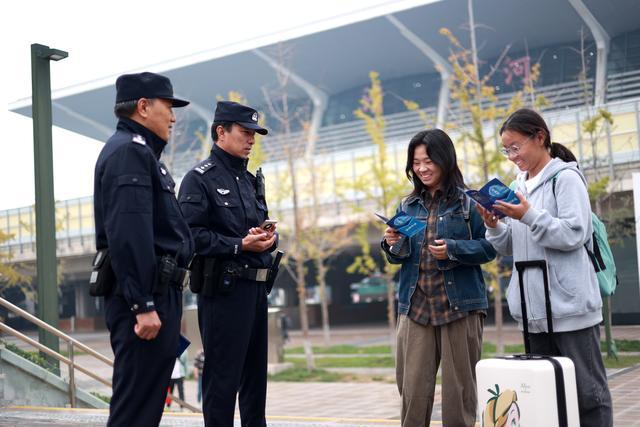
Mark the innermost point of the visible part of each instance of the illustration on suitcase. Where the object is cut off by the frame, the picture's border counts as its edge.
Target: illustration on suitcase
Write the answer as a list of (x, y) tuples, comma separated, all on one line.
[(502, 409)]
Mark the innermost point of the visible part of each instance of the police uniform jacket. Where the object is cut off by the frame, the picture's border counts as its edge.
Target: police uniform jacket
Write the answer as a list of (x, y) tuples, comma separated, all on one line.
[(136, 212), (219, 202)]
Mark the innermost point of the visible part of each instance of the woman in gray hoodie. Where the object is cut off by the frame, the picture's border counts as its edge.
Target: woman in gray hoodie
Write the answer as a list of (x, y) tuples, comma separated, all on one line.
[(554, 228)]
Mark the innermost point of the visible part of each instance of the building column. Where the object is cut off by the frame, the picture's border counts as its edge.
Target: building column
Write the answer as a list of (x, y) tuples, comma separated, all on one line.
[(442, 65), (602, 43)]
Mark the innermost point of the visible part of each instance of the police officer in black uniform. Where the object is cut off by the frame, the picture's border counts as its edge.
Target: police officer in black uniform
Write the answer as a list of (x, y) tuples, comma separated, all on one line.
[(140, 230), (224, 206)]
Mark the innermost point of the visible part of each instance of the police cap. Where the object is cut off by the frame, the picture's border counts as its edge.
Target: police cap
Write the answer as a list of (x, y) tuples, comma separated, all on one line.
[(131, 87), (247, 117)]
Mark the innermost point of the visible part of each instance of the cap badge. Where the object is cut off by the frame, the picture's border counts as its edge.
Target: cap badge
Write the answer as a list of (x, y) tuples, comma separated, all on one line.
[(163, 171), (254, 117), (223, 191)]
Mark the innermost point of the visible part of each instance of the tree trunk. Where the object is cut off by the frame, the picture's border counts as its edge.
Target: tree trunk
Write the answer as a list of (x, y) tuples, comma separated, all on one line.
[(299, 259), (497, 307), (391, 313), (324, 301), (304, 318)]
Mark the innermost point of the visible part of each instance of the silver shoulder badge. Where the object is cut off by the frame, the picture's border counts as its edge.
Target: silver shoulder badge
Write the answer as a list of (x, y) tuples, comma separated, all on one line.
[(139, 139), (202, 168)]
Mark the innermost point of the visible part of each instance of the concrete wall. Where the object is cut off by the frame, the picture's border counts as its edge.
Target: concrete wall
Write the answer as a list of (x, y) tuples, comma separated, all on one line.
[(25, 383)]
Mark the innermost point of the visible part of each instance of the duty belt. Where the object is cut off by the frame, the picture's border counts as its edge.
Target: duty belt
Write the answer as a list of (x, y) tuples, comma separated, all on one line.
[(257, 274)]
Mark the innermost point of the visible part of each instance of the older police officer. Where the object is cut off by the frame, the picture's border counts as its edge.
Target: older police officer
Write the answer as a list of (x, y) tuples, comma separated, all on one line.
[(224, 205), (139, 227)]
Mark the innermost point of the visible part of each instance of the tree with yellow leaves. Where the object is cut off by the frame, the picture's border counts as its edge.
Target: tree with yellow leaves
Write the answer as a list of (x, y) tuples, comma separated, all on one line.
[(382, 188), (475, 106)]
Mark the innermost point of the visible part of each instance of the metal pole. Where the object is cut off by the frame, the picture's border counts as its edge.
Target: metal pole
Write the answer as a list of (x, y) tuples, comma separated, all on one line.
[(72, 376), (45, 205), (637, 111)]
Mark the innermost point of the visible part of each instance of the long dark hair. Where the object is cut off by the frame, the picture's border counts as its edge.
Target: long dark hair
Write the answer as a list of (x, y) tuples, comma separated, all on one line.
[(441, 151), (530, 123)]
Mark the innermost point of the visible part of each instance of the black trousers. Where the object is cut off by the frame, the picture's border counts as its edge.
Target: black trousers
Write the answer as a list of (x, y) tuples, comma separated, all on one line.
[(583, 348), (234, 337), (142, 368)]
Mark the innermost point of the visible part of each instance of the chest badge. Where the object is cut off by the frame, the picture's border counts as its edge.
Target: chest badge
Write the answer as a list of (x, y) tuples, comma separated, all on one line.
[(163, 171), (223, 191)]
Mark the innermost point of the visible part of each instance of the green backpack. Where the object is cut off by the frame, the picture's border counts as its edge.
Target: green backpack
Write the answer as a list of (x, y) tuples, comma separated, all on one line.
[(601, 257)]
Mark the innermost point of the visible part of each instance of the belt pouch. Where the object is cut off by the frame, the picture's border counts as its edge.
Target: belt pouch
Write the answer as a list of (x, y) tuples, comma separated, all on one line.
[(103, 278)]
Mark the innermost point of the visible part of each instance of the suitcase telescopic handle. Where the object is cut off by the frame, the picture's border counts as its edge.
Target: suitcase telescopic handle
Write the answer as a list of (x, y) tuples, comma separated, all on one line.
[(521, 266)]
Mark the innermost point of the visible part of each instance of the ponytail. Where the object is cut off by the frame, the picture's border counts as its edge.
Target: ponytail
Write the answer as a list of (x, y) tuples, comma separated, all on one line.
[(561, 152)]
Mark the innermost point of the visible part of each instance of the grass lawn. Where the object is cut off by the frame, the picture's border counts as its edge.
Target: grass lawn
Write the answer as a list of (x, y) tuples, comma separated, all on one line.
[(342, 349), (345, 362), (300, 374), (381, 357)]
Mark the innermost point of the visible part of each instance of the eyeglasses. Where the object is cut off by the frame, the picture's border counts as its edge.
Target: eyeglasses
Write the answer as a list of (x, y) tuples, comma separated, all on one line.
[(514, 149)]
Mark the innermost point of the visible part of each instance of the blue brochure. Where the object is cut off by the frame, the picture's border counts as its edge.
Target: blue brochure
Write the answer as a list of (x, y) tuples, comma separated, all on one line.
[(493, 191), (183, 343), (404, 223)]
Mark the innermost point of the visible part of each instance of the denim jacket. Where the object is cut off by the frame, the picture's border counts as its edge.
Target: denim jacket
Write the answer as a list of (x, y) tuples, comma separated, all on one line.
[(466, 246)]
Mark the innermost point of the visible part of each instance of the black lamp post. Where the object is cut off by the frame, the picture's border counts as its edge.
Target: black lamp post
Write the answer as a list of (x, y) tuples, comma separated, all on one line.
[(45, 203)]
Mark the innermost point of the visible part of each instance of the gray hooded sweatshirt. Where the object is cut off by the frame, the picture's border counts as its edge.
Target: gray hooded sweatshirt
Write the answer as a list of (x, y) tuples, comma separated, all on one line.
[(555, 229)]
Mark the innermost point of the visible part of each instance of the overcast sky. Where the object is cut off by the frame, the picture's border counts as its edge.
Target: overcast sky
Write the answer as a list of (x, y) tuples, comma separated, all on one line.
[(107, 38)]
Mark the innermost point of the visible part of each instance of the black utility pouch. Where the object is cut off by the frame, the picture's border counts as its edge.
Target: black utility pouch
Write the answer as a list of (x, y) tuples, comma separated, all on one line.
[(227, 278), (197, 274), (166, 269), (103, 279), (202, 275)]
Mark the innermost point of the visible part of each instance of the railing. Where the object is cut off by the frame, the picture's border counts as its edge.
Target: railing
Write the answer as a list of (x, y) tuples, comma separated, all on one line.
[(623, 85), (72, 344)]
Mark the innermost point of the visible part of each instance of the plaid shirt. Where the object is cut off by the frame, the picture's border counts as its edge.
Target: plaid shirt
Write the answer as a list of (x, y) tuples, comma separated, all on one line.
[(429, 302)]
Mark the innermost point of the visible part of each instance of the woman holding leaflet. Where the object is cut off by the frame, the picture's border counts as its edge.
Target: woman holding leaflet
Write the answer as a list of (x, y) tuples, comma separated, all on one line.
[(554, 226), (442, 299)]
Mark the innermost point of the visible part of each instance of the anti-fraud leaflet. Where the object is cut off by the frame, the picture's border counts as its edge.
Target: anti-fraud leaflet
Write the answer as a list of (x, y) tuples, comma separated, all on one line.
[(404, 223), (493, 191)]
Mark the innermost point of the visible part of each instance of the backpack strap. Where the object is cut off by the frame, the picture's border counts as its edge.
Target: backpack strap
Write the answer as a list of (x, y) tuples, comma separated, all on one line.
[(595, 256), (597, 260)]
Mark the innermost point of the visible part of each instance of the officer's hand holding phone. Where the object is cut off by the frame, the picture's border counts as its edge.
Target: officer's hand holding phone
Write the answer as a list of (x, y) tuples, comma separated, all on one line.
[(147, 325), (259, 239)]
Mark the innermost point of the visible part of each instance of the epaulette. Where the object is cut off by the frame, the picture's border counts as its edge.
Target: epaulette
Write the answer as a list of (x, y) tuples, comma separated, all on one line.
[(139, 139), (204, 167)]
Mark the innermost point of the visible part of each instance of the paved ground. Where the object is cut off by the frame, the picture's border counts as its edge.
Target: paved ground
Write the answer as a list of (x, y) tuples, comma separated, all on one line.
[(321, 404)]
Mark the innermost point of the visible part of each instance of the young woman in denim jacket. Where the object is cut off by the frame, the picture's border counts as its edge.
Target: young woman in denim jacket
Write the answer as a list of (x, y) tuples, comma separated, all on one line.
[(441, 295)]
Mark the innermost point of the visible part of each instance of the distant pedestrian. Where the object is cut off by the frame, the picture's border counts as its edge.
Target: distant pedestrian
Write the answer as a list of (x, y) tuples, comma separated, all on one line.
[(177, 377), (285, 324), (198, 366)]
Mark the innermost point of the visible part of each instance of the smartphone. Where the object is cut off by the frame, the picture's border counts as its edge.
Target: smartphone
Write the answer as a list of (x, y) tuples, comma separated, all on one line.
[(268, 224)]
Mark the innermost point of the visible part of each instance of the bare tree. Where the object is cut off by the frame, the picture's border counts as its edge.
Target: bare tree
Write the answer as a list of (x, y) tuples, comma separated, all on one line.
[(280, 110), (381, 190)]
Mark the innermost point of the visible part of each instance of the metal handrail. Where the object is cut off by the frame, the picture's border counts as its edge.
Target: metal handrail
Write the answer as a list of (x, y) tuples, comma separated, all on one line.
[(71, 343)]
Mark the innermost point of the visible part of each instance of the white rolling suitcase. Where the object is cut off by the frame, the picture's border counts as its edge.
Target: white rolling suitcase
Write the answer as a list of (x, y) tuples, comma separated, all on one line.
[(528, 390)]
